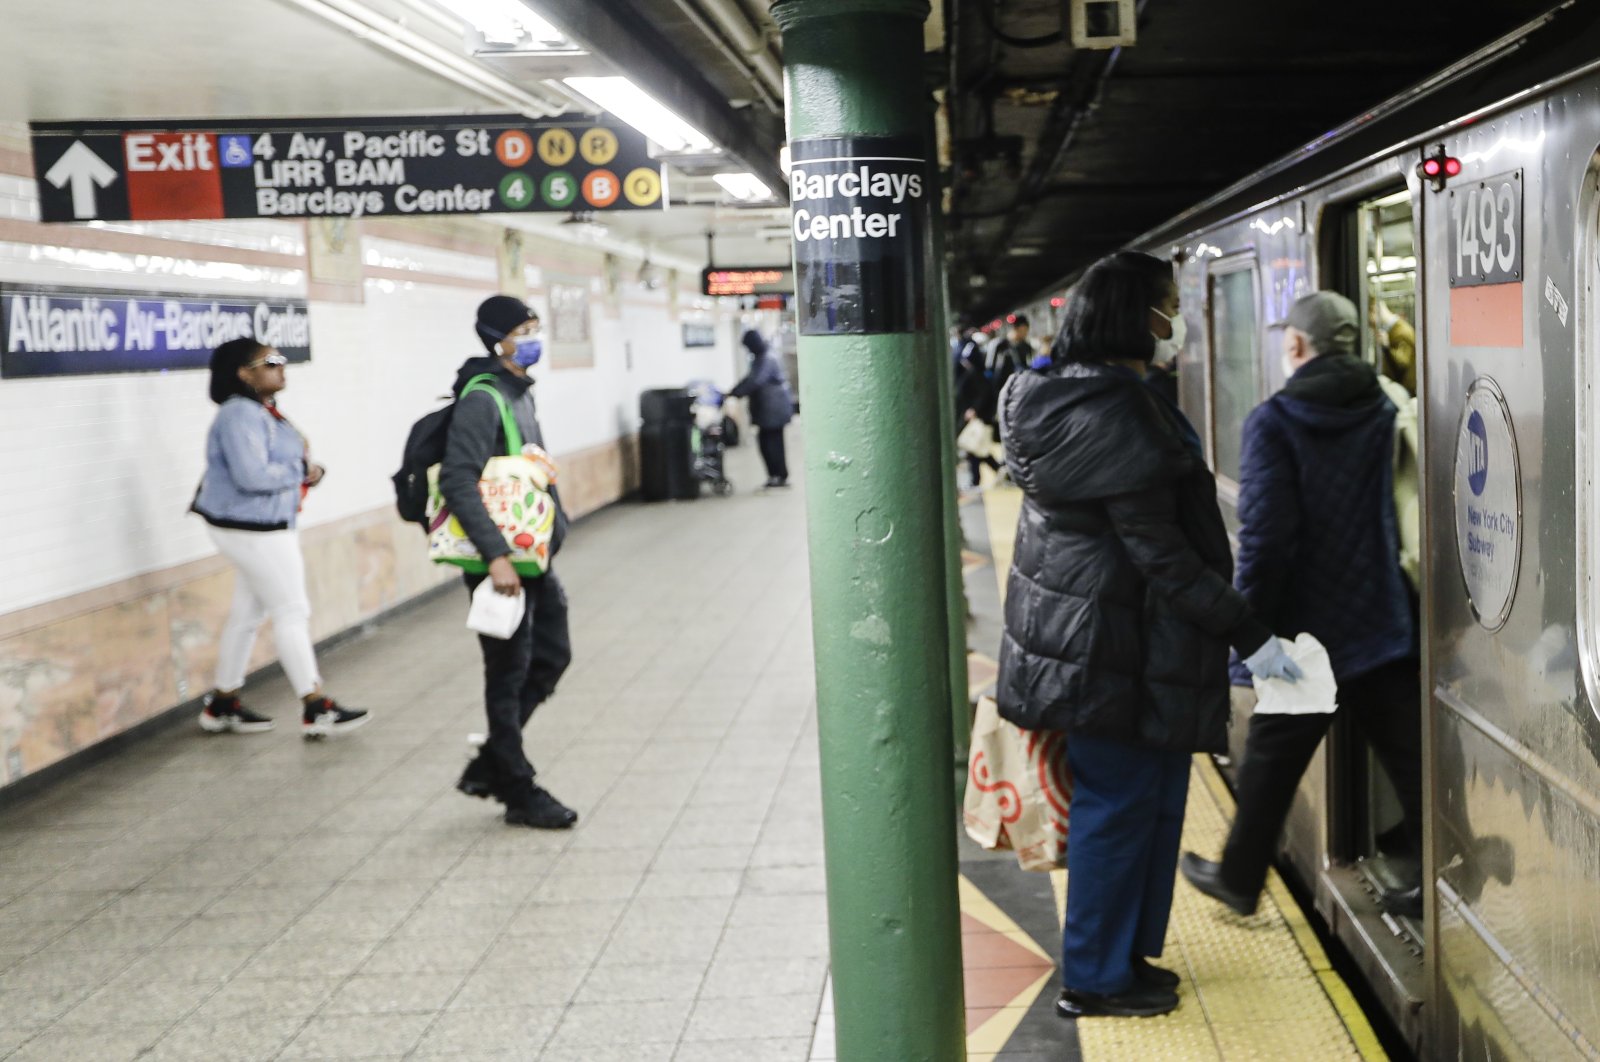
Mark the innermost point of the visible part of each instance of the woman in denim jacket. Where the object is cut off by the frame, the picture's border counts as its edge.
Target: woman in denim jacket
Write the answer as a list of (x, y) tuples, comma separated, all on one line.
[(256, 474)]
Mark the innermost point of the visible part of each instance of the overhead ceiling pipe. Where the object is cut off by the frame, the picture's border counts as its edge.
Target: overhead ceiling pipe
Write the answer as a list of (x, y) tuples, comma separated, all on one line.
[(365, 24), (765, 77), (747, 38)]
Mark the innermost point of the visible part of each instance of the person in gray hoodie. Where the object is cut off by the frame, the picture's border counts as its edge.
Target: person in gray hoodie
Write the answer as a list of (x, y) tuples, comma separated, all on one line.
[(520, 672), (771, 405)]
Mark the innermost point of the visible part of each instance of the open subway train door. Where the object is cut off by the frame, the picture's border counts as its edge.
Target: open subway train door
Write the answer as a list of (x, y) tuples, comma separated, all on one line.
[(1369, 248)]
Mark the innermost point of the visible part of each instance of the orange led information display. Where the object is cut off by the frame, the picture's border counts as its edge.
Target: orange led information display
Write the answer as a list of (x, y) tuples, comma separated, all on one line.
[(747, 280)]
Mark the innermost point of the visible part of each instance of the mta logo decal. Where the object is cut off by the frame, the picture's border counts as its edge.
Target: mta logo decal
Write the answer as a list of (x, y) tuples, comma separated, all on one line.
[(1478, 456)]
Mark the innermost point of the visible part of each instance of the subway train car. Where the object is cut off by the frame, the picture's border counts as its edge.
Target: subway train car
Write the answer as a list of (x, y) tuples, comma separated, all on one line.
[(1468, 208)]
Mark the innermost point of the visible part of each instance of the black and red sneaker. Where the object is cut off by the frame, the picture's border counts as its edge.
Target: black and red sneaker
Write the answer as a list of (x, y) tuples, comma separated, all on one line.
[(224, 714), (323, 718)]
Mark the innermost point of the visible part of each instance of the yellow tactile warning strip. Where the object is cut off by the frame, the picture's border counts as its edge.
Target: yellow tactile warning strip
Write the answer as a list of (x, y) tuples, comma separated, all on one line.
[(1253, 988), (1002, 504)]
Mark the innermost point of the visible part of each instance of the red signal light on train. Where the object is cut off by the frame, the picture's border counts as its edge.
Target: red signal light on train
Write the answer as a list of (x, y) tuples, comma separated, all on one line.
[(1011, 318), (1437, 168), (1058, 302)]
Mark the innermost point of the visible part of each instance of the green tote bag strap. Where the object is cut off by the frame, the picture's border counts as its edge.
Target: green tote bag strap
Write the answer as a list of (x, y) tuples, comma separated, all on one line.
[(485, 383)]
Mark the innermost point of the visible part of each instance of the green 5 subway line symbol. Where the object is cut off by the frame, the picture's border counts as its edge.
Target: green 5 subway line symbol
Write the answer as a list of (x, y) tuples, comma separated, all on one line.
[(559, 188)]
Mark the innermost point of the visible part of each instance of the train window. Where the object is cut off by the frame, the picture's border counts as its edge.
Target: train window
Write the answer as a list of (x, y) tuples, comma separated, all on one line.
[(1389, 289), (1235, 358)]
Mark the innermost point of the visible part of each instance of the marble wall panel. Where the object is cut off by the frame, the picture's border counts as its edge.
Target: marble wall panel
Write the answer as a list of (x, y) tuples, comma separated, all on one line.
[(71, 678)]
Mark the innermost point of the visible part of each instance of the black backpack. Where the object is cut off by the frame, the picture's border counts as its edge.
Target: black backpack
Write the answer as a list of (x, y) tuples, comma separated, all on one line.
[(424, 449)]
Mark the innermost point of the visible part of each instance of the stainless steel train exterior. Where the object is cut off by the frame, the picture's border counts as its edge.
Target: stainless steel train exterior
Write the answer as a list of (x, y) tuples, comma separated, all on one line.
[(1497, 270)]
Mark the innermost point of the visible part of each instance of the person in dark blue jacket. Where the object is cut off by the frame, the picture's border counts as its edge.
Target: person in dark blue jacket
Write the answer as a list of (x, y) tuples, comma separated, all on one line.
[(771, 405), (1319, 552)]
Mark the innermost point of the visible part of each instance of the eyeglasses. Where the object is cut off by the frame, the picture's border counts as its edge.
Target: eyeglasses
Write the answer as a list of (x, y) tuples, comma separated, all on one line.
[(276, 361)]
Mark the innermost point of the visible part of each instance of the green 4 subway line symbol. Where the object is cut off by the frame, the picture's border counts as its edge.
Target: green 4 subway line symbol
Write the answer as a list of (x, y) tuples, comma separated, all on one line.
[(517, 191)]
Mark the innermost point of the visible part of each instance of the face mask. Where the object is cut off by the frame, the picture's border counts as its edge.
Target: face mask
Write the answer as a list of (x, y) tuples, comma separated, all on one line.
[(1167, 349), (1288, 367), (529, 350)]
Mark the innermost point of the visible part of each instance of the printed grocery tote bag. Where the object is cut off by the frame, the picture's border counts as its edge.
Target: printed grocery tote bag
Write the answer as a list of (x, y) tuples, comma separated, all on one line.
[(516, 491)]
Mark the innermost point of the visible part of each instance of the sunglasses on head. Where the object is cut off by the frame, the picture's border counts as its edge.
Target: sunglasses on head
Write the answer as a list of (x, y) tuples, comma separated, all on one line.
[(274, 360)]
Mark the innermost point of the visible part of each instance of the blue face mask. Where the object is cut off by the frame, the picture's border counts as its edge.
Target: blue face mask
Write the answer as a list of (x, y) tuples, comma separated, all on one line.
[(529, 350)]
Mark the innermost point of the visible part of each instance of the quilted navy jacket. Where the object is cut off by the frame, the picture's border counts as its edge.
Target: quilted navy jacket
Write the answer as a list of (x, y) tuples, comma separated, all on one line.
[(1318, 544), (1119, 605)]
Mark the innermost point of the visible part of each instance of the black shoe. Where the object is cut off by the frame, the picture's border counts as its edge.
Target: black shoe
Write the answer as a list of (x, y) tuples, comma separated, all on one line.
[(1148, 973), (1206, 876), (1404, 902), (1140, 1001), (322, 717), (479, 779), (538, 809), (224, 714)]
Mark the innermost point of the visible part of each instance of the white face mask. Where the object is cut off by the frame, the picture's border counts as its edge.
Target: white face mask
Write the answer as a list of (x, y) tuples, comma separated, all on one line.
[(1288, 366), (1167, 349)]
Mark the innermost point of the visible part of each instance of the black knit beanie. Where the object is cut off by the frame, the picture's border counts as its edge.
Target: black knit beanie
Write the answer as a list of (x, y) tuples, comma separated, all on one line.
[(498, 315)]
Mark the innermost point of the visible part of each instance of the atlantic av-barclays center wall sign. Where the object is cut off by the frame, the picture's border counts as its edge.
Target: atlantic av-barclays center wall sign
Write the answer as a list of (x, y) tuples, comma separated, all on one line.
[(417, 167), (62, 331)]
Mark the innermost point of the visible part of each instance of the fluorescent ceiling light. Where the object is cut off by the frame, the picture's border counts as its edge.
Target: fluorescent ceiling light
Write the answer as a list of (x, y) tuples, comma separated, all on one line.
[(743, 185), (506, 22), (639, 109), (783, 159)]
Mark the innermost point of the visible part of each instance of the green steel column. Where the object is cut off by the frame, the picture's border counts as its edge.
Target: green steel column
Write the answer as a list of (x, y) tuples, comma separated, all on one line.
[(878, 582), (955, 590)]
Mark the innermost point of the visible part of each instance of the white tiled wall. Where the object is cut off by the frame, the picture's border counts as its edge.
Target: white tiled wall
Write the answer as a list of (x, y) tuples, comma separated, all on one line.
[(97, 472)]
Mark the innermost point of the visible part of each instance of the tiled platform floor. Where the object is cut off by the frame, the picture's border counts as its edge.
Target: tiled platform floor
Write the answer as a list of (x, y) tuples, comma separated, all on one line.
[(256, 897)]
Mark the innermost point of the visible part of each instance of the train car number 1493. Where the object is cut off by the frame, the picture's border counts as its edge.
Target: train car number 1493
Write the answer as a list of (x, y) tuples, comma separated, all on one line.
[(1486, 231)]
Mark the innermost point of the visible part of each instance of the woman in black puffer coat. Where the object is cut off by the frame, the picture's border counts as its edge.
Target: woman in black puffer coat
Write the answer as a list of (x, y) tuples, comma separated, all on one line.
[(1120, 610)]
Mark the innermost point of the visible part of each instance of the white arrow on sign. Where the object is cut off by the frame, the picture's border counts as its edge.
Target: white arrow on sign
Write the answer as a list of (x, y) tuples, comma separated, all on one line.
[(83, 169)]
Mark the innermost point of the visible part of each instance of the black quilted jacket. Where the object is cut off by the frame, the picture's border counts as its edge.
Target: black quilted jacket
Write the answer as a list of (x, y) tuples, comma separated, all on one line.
[(1318, 545), (1119, 609)]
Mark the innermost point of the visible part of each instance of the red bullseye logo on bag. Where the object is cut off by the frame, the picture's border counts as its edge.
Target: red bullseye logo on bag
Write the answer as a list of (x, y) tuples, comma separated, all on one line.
[(172, 175)]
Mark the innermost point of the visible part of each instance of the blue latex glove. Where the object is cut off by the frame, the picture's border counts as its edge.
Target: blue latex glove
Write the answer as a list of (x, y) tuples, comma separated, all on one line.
[(1271, 662)]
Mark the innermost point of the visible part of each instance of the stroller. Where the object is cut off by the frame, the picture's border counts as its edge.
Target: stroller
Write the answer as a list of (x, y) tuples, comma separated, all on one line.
[(708, 438)]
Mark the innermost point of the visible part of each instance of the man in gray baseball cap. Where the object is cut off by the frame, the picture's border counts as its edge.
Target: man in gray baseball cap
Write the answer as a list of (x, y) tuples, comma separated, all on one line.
[(1319, 553), (1323, 322)]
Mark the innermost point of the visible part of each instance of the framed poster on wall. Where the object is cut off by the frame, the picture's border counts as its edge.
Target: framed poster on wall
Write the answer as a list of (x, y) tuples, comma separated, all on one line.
[(568, 335)]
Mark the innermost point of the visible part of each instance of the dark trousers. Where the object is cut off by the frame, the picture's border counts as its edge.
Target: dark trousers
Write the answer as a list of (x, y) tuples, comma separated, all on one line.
[(771, 442), (975, 467), (520, 672), (1122, 858), (1384, 705)]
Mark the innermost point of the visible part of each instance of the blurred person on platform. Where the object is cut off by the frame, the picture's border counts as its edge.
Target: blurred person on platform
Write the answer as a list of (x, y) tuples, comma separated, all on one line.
[(257, 474)]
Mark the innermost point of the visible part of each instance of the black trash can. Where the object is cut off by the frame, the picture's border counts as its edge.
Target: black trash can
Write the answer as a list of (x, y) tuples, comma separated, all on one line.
[(666, 454)]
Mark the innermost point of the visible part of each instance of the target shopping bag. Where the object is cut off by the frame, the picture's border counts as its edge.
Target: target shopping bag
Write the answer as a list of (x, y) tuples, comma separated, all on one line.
[(1019, 790)]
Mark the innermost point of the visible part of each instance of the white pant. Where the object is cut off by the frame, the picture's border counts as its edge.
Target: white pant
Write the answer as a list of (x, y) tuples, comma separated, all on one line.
[(270, 581)]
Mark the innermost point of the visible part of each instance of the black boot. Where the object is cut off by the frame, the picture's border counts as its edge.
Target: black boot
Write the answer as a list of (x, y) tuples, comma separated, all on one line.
[(536, 807), (1155, 976), (1140, 1001), (479, 779), (1206, 876)]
